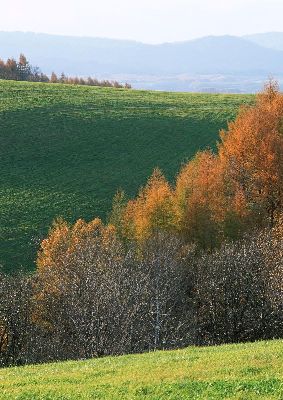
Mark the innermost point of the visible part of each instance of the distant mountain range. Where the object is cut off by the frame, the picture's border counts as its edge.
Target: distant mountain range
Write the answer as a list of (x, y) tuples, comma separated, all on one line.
[(213, 63), (271, 40)]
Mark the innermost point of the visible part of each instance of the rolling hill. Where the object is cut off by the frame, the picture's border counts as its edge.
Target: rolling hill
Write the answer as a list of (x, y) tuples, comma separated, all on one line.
[(238, 371), (65, 150)]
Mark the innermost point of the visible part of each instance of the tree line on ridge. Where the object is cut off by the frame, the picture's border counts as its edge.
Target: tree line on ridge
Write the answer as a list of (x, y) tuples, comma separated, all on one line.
[(22, 70)]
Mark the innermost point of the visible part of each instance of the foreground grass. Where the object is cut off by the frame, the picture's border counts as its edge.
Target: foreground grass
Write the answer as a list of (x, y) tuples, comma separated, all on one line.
[(65, 150), (240, 371)]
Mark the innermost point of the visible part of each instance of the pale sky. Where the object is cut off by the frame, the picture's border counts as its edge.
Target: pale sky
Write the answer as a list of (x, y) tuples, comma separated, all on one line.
[(150, 21)]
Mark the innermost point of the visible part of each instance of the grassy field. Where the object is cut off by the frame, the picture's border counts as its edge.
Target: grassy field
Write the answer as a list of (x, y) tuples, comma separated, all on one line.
[(65, 150), (238, 371)]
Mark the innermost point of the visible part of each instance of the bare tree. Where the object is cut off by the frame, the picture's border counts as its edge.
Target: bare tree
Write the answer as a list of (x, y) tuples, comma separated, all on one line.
[(233, 289), (15, 318)]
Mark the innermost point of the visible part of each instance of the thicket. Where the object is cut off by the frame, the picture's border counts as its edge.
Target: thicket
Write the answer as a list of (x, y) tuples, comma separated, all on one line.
[(198, 263), (22, 70), (217, 196)]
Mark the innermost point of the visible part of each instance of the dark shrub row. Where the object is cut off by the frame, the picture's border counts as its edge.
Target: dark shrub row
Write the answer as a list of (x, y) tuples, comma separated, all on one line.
[(113, 300)]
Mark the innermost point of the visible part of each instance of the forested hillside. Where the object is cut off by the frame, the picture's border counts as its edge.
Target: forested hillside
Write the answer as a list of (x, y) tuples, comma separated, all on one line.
[(193, 262), (65, 150)]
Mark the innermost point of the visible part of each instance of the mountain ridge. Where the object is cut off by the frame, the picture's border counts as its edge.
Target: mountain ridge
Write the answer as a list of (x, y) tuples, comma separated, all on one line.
[(272, 40), (143, 64)]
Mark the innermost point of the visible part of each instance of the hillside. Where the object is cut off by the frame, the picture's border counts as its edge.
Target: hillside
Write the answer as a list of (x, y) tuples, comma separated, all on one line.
[(271, 40), (238, 371), (65, 151), (85, 55), (213, 63)]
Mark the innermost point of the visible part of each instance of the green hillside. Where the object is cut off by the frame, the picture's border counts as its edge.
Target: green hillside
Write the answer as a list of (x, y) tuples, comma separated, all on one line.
[(238, 371), (66, 149)]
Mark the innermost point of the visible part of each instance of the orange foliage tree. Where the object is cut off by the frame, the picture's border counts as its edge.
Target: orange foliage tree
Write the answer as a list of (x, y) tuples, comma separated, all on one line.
[(151, 211), (65, 242), (63, 255), (220, 195), (251, 156), (198, 201), (215, 196)]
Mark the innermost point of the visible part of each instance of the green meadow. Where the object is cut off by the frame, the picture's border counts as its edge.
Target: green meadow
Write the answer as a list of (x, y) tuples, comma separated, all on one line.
[(65, 150), (237, 371)]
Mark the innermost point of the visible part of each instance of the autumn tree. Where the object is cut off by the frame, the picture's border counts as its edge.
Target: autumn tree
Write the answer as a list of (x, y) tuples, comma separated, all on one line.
[(198, 201), (152, 210), (24, 69), (66, 241), (98, 297), (223, 195), (58, 256), (53, 78), (11, 69), (251, 155)]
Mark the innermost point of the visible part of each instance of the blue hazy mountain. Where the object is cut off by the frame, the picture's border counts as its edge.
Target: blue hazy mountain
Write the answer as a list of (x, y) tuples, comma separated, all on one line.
[(172, 66), (271, 40)]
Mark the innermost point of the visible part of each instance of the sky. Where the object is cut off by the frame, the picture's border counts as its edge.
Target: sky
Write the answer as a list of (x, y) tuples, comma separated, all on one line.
[(149, 21)]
